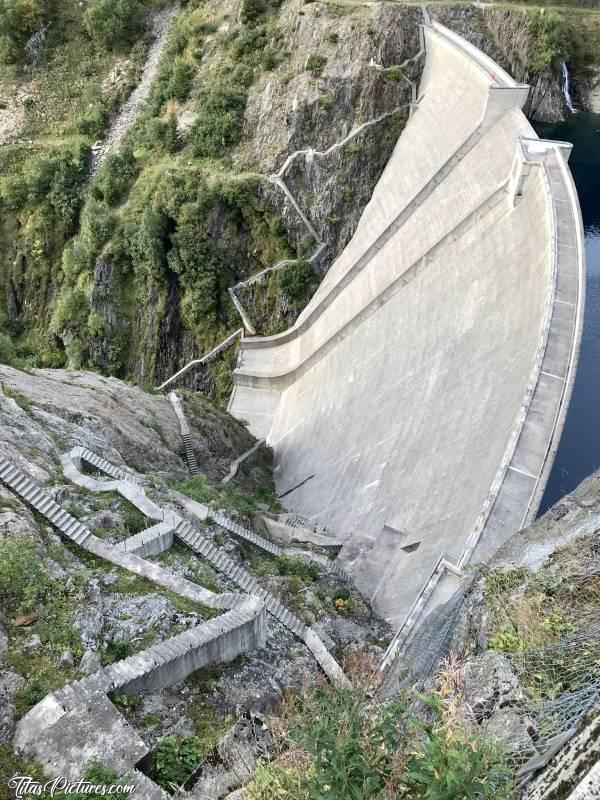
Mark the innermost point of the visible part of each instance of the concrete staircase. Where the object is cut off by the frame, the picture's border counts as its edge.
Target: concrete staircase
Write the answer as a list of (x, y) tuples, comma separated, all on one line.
[(199, 544), (246, 535), (189, 454), (186, 436), (71, 528), (82, 454), (149, 542), (38, 499), (62, 725)]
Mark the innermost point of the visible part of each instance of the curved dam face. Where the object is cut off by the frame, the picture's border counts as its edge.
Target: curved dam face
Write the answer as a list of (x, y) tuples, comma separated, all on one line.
[(415, 407)]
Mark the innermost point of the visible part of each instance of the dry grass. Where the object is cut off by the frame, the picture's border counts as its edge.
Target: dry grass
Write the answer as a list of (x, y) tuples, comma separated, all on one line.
[(531, 610)]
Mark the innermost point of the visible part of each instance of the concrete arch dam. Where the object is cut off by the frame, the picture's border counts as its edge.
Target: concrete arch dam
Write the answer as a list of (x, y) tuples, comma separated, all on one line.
[(416, 405)]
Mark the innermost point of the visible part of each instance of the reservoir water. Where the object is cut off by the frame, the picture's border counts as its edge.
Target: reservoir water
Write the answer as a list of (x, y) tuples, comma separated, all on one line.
[(579, 451)]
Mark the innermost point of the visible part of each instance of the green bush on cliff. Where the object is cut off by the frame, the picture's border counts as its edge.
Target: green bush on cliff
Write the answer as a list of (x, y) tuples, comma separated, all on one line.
[(111, 21), (220, 118), (18, 20), (550, 40), (295, 281), (23, 580), (342, 744), (8, 351)]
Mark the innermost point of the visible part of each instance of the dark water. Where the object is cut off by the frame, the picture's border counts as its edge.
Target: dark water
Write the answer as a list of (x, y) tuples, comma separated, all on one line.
[(579, 451)]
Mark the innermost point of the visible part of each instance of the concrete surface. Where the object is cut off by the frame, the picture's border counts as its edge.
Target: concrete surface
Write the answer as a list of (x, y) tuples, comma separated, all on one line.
[(416, 405)]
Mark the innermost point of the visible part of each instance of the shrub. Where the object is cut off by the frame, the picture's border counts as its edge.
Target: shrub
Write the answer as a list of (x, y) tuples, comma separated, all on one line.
[(18, 20), (295, 281), (252, 10), (160, 134), (93, 122), (175, 759), (315, 64), (8, 352), (8, 49), (308, 573), (347, 746), (115, 176), (181, 79), (71, 311), (147, 242), (116, 651), (133, 519), (109, 22), (549, 40), (219, 123)]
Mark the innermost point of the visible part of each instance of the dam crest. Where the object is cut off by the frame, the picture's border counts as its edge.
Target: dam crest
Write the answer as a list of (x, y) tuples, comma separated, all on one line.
[(416, 405)]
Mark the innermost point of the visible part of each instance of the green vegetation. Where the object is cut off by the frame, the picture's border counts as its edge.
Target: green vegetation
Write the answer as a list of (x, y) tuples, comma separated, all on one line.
[(11, 764), (67, 107), (339, 743), (166, 217), (135, 584), (176, 759), (296, 282), (550, 37), (23, 580), (25, 588), (19, 19), (112, 21), (226, 496), (315, 64), (531, 611)]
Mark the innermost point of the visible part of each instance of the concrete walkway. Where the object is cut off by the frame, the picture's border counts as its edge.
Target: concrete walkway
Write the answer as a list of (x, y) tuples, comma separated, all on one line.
[(173, 525)]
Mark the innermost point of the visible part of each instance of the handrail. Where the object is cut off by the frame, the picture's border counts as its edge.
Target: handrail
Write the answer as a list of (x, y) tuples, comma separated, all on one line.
[(214, 352)]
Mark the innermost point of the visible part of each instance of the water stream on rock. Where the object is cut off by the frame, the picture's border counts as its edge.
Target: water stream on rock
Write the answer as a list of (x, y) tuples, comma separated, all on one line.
[(567, 89), (579, 451)]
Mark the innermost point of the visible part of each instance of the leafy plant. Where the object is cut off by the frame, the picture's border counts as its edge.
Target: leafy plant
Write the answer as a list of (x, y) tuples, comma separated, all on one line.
[(295, 281), (550, 40), (344, 745), (176, 759), (23, 579), (111, 21)]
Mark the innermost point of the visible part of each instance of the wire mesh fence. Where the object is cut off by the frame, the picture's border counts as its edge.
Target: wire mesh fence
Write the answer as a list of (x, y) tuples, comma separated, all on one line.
[(563, 683)]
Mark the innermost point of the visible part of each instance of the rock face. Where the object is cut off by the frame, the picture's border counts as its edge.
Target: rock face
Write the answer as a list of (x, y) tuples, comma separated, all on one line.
[(238, 755), (516, 604), (504, 35), (111, 417)]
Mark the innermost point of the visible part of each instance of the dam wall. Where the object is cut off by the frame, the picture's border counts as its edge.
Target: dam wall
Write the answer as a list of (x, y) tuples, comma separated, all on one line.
[(415, 406)]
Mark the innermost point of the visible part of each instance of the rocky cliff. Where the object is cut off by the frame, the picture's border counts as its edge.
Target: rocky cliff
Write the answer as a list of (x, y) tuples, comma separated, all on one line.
[(517, 647), (186, 209)]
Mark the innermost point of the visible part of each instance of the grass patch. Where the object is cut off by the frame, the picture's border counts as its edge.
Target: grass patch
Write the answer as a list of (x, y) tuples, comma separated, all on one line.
[(225, 496), (534, 611)]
